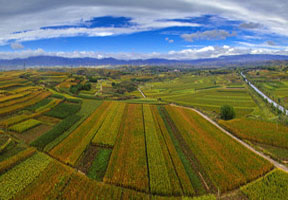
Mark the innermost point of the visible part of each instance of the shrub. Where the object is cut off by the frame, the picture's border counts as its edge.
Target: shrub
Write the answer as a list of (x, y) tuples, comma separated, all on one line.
[(227, 112)]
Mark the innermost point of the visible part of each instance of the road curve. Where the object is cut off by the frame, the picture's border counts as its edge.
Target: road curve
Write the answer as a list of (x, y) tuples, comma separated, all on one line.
[(275, 163)]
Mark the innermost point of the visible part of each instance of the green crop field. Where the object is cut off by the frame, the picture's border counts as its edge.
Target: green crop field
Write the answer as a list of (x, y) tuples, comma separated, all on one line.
[(111, 142), (24, 126), (272, 83), (207, 93)]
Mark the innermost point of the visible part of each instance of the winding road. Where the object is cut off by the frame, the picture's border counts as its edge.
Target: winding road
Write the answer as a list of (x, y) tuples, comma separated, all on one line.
[(275, 163)]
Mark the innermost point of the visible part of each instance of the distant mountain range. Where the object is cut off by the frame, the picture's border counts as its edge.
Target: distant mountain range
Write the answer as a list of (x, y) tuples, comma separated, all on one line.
[(209, 62)]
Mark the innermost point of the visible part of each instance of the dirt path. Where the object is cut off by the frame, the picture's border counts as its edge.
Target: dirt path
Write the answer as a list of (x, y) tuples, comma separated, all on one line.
[(141, 93), (275, 163)]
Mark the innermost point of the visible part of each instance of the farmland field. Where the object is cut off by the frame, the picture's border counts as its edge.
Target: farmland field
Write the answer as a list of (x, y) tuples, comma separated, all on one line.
[(96, 144), (273, 83), (207, 93)]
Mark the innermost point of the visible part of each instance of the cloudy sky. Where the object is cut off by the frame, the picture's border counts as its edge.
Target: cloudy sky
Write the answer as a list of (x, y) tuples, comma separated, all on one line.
[(132, 29)]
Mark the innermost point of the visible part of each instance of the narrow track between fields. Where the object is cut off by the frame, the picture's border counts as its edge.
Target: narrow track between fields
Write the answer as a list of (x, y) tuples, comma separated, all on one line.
[(275, 163)]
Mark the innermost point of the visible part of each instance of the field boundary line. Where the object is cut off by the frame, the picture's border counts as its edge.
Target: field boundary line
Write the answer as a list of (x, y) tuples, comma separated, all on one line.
[(275, 163), (146, 153), (170, 156)]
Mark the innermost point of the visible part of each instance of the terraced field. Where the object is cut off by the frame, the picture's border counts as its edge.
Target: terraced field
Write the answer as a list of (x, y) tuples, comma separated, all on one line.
[(55, 146), (273, 83), (207, 93)]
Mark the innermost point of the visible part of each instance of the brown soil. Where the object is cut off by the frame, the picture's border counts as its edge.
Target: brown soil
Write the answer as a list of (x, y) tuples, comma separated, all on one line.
[(48, 120), (32, 134), (86, 160)]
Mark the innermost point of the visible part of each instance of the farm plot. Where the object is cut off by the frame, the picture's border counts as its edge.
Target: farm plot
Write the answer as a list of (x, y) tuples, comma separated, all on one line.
[(272, 83), (180, 181), (81, 187), (258, 131), (15, 96), (233, 165), (99, 164), (55, 132), (107, 134), (19, 100), (49, 184), (86, 160), (24, 126), (48, 120), (22, 175), (32, 100), (158, 173), (213, 99), (190, 163), (32, 134), (45, 105), (271, 187), (87, 108), (70, 149), (10, 150), (64, 110), (15, 159), (128, 165), (16, 118)]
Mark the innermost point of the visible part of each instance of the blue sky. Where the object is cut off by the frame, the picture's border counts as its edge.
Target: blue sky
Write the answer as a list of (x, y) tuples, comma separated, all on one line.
[(176, 29)]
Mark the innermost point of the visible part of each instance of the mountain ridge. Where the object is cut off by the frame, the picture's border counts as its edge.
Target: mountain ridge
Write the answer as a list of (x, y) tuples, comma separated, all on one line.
[(88, 61)]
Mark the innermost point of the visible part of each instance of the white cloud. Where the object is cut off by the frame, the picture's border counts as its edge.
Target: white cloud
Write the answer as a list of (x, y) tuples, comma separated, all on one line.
[(16, 45), (264, 45), (146, 14), (169, 40), (185, 54)]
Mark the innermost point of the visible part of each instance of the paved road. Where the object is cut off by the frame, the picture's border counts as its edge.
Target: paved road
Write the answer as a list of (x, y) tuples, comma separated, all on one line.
[(264, 96), (141, 93), (275, 163)]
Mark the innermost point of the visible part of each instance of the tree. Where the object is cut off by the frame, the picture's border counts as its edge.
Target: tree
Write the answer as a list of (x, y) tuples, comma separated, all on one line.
[(227, 112)]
